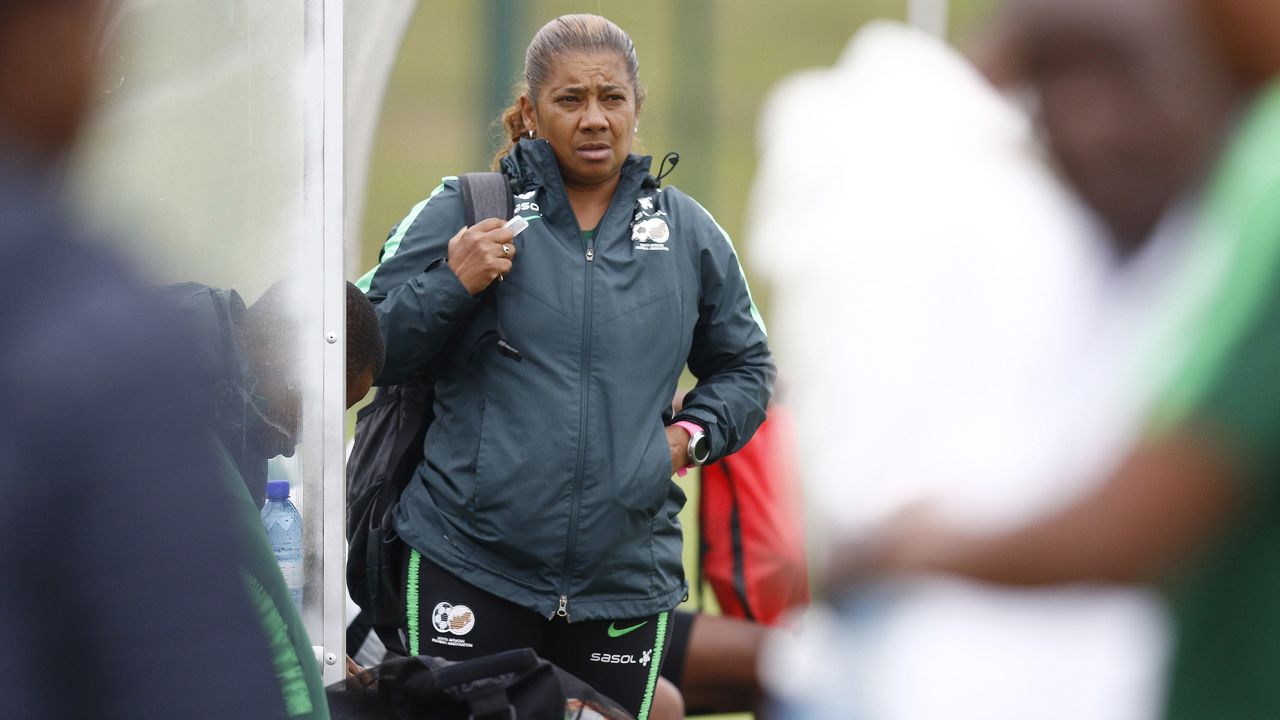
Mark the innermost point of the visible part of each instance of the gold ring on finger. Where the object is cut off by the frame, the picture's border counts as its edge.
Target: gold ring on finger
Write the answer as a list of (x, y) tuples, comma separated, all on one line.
[(506, 249)]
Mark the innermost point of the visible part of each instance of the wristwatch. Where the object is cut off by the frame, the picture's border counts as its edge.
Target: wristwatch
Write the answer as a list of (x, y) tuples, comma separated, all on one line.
[(699, 449)]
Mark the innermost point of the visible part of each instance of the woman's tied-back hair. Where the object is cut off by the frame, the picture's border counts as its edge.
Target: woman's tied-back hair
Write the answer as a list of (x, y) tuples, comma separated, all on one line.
[(566, 34)]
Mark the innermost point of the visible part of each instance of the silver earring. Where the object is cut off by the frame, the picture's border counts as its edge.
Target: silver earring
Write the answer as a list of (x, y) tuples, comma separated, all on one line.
[(530, 134)]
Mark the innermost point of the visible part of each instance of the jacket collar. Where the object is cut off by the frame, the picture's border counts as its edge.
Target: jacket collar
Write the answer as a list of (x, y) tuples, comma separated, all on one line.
[(531, 165)]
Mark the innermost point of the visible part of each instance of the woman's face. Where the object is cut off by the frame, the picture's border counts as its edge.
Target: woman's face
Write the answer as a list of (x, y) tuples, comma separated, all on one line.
[(587, 111)]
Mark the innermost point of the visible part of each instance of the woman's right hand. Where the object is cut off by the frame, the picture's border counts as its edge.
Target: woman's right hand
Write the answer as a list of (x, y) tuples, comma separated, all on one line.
[(481, 253)]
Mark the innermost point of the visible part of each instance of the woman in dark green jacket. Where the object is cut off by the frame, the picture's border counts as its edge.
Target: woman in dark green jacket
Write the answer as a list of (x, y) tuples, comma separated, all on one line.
[(544, 514)]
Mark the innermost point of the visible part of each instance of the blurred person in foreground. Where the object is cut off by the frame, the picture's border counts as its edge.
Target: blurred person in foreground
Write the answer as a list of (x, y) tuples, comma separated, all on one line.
[(993, 353), (119, 591), (1191, 505)]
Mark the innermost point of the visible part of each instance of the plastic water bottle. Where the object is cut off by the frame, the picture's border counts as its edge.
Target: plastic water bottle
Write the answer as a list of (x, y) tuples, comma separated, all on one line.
[(284, 528)]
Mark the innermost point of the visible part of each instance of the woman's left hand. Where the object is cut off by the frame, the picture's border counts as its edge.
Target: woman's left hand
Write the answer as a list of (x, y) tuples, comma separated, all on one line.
[(678, 445)]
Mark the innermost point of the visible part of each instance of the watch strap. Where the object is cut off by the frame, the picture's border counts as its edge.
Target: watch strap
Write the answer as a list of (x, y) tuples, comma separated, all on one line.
[(690, 427)]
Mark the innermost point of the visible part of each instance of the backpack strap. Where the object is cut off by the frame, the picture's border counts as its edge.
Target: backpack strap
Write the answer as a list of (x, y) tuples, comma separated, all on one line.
[(486, 195)]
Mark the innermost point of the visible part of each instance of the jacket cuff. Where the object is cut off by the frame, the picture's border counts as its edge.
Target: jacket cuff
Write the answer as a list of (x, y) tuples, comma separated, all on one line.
[(707, 422)]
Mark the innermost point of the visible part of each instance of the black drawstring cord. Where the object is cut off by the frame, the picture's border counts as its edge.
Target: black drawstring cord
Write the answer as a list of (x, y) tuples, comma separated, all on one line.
[(504, 347), (674, 157)]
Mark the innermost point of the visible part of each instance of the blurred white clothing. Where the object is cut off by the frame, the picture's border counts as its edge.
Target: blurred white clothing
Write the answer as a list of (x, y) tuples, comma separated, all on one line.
[(953, 331)]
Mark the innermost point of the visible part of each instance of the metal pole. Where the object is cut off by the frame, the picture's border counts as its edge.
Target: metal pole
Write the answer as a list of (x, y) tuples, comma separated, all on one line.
[(324, 337), (335, 342), (929, 15)]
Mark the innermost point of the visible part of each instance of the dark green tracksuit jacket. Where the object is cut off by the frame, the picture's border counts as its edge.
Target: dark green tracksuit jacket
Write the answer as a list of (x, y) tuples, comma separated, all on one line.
[(548, 481)]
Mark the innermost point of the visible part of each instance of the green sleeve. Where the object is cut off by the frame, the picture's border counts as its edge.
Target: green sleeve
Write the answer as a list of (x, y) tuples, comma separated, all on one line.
[(730, 354), (1225, 379), (297, 673), (1242, 407)]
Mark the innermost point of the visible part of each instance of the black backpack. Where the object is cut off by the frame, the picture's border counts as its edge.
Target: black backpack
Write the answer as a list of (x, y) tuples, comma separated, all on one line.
[(389, 437)]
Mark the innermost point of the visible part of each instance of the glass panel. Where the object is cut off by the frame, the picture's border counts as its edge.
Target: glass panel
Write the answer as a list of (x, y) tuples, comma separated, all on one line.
[(207, 161), (196, 156)]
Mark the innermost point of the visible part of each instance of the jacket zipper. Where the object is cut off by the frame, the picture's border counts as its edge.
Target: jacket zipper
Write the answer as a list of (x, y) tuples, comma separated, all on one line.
[(563, 609)]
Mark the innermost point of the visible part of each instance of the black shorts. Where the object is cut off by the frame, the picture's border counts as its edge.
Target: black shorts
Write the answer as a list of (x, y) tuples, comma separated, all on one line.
[(449, 618)]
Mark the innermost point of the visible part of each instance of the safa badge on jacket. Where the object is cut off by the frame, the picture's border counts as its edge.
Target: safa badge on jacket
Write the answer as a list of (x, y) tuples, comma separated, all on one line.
[(649, 230)]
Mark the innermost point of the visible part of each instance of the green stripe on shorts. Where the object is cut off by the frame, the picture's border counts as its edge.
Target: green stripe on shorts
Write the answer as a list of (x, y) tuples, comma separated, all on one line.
[(656, 662), (411, 609)]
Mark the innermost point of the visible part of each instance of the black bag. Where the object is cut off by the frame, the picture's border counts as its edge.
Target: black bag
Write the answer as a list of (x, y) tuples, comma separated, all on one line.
[(388, 448), (502, 686)]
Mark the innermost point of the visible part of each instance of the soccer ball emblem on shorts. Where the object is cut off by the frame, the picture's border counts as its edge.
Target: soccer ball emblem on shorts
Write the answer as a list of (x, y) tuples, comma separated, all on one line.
[(440, 617), (456, 619)]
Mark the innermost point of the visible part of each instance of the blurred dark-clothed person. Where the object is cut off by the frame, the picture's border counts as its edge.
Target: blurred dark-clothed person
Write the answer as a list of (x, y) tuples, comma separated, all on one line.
[(119, 594), (251, 355)]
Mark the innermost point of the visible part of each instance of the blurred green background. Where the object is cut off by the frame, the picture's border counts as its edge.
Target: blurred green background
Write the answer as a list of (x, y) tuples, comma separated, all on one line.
[(707, 66)]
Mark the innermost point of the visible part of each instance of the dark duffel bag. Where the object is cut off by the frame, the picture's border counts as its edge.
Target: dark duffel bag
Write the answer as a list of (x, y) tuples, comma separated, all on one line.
[(503, 686)]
